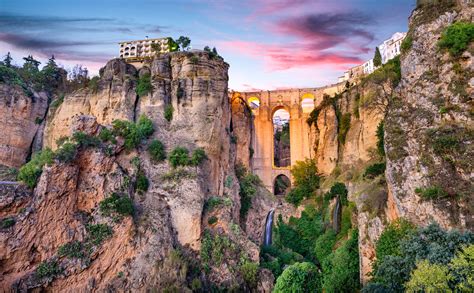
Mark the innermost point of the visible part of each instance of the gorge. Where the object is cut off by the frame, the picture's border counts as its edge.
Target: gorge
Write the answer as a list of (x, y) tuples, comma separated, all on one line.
[(159, 178)]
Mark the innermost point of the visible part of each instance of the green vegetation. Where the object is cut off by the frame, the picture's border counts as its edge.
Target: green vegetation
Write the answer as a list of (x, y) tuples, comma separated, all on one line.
[(380, 139), (106, 135), (144, 85), (214, 248), (212, 53), (183, 42), (338, 189), (133, 133), (56, 103), (431, 193), (377, 57), (66, 153), (248, 184), (198, 156), (179, 157), (212, 220), (85, 140), (98, 233), (169, 112), (249, 272), (306, 181), (344, 125), (7, 223), (406, 44), (72, 249), (142, 183), (429, 10), (374, 170), (428, 277), (299, 277), (116, 204), (31, 171), (48, 269), (324, 245), (175, 175), (156, 149), (215, 201), (457, 37), (401, 264)]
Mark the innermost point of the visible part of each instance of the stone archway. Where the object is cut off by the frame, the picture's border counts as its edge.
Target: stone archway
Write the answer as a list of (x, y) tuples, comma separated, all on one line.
[(281, 185)]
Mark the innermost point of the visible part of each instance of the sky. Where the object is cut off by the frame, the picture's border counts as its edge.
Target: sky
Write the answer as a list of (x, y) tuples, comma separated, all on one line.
[(269, 44)]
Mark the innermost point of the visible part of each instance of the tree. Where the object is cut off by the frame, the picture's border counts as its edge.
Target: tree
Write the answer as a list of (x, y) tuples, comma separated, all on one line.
[(428, 277), (183, 42), (300, 277), (462, 269), (51, 74), (7, 61), (377, 57)]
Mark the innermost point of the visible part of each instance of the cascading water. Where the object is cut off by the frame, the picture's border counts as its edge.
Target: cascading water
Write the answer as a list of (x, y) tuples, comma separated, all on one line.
[(336, 216), (267, 236)]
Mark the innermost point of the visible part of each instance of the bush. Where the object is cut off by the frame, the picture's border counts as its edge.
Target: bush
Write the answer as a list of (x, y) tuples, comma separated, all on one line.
[(7, 223), (106, 135), (431, 193), (344, 125), (249, 272), (212, 220), (306, 181), (212, 203), (380, 139), (248, 187), (169, 112), (66, 153), (300, 277), (31, 171), (457, 37), (179, 157), (116, 203), (85, 140), (374, 170), (98, 233), (296, 195), (406, 44), (324, 245), (461, 269), (198, 156), (133, 133), (156, 149), (72, 249), (142, 182), (389, 241), (428, 278), (337, 189), (144, 85), (48, 269)]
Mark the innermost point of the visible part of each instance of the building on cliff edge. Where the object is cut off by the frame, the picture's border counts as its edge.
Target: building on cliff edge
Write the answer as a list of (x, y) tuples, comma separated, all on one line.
[(141, 50)]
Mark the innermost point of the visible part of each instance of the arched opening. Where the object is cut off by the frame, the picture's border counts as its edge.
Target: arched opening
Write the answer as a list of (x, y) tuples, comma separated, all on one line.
[(282, 185), (307, 102), (253, 102), (281, 138)]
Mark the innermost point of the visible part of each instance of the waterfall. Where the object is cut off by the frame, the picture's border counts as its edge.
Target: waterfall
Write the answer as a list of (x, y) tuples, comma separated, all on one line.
[(336, 216), (267, 236)]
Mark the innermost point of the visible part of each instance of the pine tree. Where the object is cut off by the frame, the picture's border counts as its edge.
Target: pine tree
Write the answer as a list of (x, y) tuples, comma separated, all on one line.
[(8, 60), (377, 57)]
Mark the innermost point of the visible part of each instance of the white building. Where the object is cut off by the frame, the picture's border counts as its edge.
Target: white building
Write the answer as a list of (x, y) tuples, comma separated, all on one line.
[(141, 49), (391, 48), (369, 66)]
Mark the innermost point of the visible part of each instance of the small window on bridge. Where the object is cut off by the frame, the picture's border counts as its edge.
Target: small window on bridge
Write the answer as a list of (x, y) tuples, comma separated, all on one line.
[(307, 103)]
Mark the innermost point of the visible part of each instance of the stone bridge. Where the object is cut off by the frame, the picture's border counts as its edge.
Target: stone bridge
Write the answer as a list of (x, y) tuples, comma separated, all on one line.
[(298, 103)]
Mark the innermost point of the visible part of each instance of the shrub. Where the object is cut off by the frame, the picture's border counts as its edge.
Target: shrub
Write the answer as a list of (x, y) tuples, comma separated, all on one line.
[(198, 156), (430, 193), (48, 269), (106, 135), (156, 150), (145, 126), (344, 125), (324, 245), (66, 153), (249, 271), (380, 139), (31, 171), (389, 241), (133, 133), (212, 203), (169, 112), (461, 269), (98, 233), (85, 140), (179, 157), (177, 174), (457, 37), (144, 85), (428, 278), (72, 249), (374, 170), (337, 189), (248, 187), (212, 220), (116, 203), (406, 44), (300, 277), (7, 223), (296, 195), (306, 181), (142, 182)]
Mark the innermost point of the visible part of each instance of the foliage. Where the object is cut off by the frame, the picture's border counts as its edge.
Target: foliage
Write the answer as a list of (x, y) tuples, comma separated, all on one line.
[(406, 44), (156, 149), (212, 220), (183, 42), (56, 103), (213, 202), (428, 277), (248, 183), (31, 171), (341, 273), (389, 241), (212, 53), (338, 189), (324, 245), (168, 112), (457, 37), (299, 277), (344, 125), (389, 72), (172, 45), (133, 133), (197, 157), (377, 57), (116, 203), (66, 153), (432, 192), (461, 269), (98, 232), (374, 170), (249, 272), (85, 140), (177, 174), (179, 157), (214, 248), (7, 223), (142, 182), (306, 181), (106, 135), (144, 85), (48, 269), (380, 139), (72, 249)]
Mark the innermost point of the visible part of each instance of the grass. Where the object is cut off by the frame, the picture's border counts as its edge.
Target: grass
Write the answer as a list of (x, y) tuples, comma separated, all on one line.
[(431, 193)]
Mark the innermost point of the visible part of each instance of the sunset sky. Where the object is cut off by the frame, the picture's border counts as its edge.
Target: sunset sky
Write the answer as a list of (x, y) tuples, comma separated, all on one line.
[(269, 44)]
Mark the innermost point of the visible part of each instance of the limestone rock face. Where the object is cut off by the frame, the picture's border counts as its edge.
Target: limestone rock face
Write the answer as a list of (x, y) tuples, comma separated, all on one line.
[(20, 116), (435, 105), (242, 129), (326, 140)]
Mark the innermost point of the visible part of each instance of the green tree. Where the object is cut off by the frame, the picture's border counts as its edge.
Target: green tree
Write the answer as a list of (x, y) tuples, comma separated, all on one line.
[(462, 269), (179, 157), (7, 61), (183, 42), (299, 277), (428, 277), (377, 57), (156, 149)]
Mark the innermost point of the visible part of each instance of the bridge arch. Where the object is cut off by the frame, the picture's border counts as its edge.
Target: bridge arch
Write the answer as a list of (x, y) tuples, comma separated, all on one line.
[(281, 184)]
